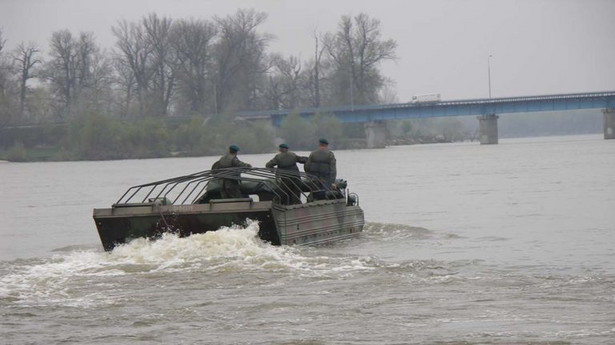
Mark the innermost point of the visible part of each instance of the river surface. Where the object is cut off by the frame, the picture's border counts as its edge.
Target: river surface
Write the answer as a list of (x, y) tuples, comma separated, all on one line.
[(464, 244)]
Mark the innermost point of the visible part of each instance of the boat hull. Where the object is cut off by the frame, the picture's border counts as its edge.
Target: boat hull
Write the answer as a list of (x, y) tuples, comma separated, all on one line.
[(311, 223), (318, 222)]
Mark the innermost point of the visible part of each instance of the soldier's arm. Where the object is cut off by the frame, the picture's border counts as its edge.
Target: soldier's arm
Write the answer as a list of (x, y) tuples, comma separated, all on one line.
[(308, 164), (272, 163), (301, 159), (238, 163)]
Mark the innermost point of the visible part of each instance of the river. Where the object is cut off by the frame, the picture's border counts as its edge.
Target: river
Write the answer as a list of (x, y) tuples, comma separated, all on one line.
[(464, 244)]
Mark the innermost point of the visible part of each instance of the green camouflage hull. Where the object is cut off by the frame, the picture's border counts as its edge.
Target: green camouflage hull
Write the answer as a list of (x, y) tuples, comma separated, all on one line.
[(315, 222)]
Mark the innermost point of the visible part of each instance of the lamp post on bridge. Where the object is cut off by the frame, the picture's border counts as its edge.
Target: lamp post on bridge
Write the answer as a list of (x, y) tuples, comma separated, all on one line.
[(488, 123), (489, 73)]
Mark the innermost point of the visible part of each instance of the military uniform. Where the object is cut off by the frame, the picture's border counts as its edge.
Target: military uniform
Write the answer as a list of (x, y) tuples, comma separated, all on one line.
[(230, 187), (321, 164), (287, 161)]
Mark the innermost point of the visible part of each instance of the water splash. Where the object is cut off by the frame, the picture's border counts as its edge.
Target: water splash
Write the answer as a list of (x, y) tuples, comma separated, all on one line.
[(90, 277), (227, 244), (66, 277)]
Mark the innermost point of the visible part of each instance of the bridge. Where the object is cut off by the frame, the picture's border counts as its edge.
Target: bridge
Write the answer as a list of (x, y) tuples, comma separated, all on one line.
[(486, 111)]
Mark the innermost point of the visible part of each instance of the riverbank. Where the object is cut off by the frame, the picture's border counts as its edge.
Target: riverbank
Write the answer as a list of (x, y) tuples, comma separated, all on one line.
[(60, 154), (41, 153)]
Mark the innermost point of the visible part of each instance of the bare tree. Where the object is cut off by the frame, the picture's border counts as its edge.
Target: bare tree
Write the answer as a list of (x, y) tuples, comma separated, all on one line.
[(99, 89), (135, 54), (158, 34), (356, 50), (316, 76), (240, 60), (4, 68), (2, 41), (61, 69), (71, 70), (313, 79), (192, 41), (125, 83), (6, 104), (25, 55), (283, 86), (86, 49)]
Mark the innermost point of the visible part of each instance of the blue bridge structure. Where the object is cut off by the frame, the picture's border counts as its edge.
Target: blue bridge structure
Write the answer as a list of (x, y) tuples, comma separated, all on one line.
[(486, 110)]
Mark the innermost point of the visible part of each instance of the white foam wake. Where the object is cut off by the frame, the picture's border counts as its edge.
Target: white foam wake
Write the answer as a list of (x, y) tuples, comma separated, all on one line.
[(64, 278)]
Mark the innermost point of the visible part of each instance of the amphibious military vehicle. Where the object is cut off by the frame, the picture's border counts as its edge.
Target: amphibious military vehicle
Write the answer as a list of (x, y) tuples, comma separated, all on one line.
[(291, 208)]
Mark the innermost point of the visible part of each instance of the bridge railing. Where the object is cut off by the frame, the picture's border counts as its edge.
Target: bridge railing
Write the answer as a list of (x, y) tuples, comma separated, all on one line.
[(349, 109)]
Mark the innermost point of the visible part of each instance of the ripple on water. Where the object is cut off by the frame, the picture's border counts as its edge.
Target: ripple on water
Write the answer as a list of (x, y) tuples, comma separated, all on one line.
[(392, 232)]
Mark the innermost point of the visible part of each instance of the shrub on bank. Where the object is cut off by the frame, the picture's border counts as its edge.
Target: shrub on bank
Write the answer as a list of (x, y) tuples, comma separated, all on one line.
[(298, 132), (191, 138), (252, 138), (17, 153), (99, 138), (328, 126)]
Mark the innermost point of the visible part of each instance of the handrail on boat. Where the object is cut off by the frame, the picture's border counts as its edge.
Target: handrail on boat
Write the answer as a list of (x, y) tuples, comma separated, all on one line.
[(189, 189)]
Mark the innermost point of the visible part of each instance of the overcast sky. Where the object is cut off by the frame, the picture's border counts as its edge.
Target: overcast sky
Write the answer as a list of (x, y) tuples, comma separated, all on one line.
[(537, 46)]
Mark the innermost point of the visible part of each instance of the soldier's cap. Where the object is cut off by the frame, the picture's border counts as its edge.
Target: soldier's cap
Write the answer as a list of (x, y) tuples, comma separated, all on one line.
[(283, 146), (234, 148), (323, 141)]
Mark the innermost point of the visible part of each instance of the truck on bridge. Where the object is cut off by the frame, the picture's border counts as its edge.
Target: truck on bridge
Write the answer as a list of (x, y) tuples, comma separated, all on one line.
[(426, 98)]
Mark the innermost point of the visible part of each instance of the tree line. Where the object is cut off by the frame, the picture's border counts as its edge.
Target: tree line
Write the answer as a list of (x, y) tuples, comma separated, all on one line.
[(161, 67), (173, 86)]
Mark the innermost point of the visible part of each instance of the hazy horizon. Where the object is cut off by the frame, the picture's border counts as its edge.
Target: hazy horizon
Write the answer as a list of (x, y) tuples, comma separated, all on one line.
[(537, 47)]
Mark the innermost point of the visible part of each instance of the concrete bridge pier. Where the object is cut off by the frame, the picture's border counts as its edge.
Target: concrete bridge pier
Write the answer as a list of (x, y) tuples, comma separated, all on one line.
[(376, 134), (609, 123), (488, 129)]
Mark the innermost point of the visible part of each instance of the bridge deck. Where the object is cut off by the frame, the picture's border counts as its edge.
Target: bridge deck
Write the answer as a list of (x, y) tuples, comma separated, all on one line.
[(525, 104)]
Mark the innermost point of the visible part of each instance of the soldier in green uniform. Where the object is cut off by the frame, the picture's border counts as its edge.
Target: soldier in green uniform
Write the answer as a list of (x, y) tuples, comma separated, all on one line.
[(230, 187), (287, 161), (322, 165)]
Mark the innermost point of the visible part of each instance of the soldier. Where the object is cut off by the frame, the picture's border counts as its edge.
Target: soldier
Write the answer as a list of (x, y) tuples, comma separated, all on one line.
[(287, 161), (230, 187), (321, 164)]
